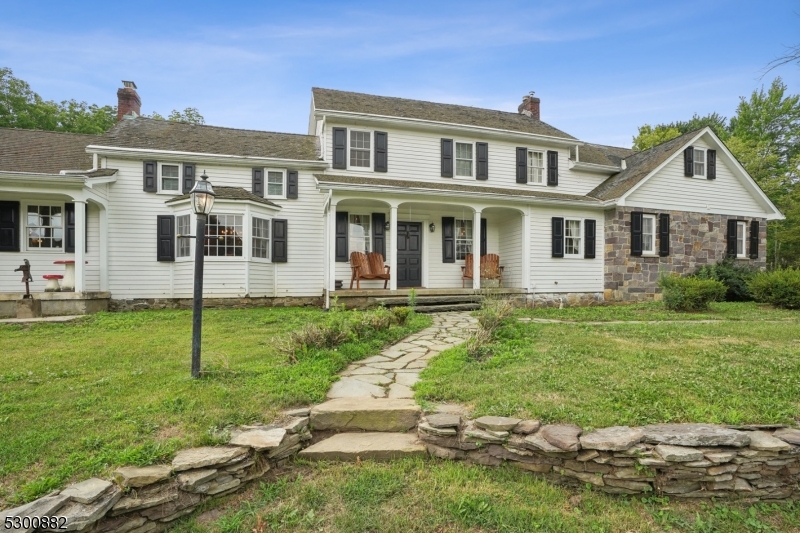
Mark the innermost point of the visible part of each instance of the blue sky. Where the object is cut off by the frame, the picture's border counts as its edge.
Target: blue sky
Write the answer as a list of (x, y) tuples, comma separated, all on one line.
[(601, 69)]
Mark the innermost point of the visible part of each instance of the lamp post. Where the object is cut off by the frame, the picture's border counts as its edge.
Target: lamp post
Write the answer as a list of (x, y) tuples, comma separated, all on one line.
[(202, 195)]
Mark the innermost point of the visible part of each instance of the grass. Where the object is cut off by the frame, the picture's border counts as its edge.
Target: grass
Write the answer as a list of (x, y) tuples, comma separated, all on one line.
[(79, 398), (734, 370), (436, 496)]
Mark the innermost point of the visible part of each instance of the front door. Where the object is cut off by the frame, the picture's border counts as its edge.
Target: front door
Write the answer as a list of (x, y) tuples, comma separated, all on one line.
[(409, 254)]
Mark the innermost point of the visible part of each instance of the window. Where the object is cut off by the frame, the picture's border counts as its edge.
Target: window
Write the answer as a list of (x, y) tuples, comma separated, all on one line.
[(699, 162), (463, 239), (535, 167), (261, 238), (649, 234), (360, 148), (170, 178), (224, 236), (275, 183), (359, 233), (183, 223), (464, 159), (45, 226), (741, 231), (572, 238)]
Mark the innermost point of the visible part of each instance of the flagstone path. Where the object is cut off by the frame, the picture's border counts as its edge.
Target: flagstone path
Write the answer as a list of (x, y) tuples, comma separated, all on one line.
[(392, 373)]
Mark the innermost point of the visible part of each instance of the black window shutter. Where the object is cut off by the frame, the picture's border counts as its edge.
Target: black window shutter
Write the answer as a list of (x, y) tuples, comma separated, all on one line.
[(340, 148), (688, 161), (558, 236), (590, 241), (166, 238), (448, 240), (711, 172), (9, 226), (341, 237), (188, 177), (482, 169), (754, 238), (258, 182), (552, 167), (69, 228), (522, 165), (379, 234), (381, 152), (150, 181), (279, 240), (731, 241), (483, 237), (636, 232), (291, 184), (447, 158), (663, 234)]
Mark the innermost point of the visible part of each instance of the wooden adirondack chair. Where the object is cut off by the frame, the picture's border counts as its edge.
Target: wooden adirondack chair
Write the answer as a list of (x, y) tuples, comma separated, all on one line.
[(368, 266), (490, 268)]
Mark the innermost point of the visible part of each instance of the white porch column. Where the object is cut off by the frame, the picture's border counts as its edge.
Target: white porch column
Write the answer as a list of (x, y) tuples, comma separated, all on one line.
[(526, 251), (103, 249), (80, 246), (393, 248), (332, 247), (476, 250)]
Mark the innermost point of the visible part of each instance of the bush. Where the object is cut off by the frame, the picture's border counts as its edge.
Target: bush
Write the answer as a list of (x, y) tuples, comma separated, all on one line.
[(494, 312), (780, 288), (402, 314), (735, 275), (690, 294)]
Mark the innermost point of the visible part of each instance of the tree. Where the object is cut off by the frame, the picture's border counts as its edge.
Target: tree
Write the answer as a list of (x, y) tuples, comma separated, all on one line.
[(650, 136), (190, 115)]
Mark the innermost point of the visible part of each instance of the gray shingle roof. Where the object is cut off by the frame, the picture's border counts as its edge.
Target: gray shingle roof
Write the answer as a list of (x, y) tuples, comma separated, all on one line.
[(148, 133), (48, 152), (230, 193), (638, 166), (600, 154), (333, 100), (455, 187)]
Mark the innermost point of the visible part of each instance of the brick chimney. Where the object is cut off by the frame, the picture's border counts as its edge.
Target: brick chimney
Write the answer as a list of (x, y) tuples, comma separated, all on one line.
[(529, 106), (128, 101)]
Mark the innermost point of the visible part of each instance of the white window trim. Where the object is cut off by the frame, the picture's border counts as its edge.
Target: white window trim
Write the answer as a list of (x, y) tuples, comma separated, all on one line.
[(471, 240), (471, 177), (161, 190), (350, 214), (742, 224), (705, 162), (582, 222), (24, 229), (654, 251), (253, 258), (192, 224), (371, 150), (266, 183), (544, 168)]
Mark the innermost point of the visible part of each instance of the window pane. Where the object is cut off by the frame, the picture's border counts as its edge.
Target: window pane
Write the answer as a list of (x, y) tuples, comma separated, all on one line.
[(169, 184), (463, 151), (360, 240), (169, 171), (463, 239), (224, 235), (699, 162)]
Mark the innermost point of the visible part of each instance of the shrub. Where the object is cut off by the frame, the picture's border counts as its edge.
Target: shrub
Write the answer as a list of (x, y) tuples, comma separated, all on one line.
[(402, 314), (734, 274), (494, 312), (690, 294), (780, 288)]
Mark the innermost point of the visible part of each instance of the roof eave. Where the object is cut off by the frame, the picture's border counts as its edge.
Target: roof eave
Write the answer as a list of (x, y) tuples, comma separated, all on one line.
[(594, 167), (40, 178), (201, 157)]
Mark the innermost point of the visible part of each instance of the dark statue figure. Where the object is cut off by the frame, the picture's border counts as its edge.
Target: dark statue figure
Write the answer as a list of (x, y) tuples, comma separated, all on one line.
[(26, 277)]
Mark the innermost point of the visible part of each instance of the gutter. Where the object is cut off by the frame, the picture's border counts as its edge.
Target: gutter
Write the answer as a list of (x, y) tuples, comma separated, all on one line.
[(204, 157), (594, 167)]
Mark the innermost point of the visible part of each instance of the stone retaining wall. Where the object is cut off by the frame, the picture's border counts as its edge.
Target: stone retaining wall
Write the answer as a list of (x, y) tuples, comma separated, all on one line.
[(569, 299), (139, 304), (677, 460)]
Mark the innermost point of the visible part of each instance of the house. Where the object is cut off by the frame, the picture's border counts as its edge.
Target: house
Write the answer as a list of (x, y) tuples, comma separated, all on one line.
[(425, 184)]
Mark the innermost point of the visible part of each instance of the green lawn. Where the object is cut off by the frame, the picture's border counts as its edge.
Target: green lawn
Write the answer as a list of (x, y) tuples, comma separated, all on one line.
[(735, 370), (436, 496), (79, 398)]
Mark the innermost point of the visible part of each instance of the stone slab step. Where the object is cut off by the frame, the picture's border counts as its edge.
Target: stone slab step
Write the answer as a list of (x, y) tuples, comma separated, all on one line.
[(375, 446), (444, 308), (431, 300), (365, 414)]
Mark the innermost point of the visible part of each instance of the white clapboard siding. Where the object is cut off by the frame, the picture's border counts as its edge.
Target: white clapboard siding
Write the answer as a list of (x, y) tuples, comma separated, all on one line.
[(563, 274), (510, 250), (261, 279), (416, 155), (669, 189)]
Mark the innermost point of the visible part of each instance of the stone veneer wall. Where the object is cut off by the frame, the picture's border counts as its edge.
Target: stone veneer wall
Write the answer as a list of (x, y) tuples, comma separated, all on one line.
[(139, 304), (695, 239)]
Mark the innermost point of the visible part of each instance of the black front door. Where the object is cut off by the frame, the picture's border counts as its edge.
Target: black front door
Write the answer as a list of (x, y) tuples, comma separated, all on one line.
[(409, 254)]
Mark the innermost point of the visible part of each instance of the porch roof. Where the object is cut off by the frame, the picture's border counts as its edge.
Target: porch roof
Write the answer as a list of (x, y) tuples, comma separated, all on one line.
[(407, 185), (229, 193)]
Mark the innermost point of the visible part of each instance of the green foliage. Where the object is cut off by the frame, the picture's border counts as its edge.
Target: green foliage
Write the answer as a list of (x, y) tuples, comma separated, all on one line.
[(733, 274), (190, 115), (780, 288), (402, 313), (690, 294), (412, 298), (495, 312), (650, 136)]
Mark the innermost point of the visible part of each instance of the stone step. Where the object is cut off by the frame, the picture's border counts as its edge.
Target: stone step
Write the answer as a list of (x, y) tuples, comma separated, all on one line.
[(444, 308), (365, 414), (431, 300), (375, 446)]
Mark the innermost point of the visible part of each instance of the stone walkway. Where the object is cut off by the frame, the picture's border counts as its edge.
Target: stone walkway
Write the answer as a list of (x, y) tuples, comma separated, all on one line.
[(392, 373)]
